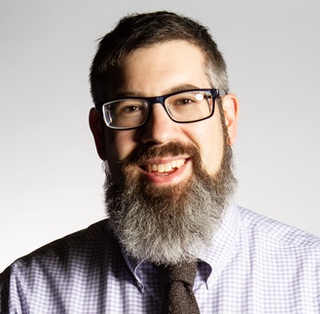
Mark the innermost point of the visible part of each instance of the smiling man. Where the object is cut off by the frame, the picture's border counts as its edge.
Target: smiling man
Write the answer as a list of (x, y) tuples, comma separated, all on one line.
[(163, 165), (164, 122)]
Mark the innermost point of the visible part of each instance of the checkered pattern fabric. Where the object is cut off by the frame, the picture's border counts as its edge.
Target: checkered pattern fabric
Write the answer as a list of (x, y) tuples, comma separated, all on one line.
[(255, 265)]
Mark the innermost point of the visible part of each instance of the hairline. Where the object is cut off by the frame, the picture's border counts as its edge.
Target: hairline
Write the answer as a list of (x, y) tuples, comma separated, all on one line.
[(207, 65)]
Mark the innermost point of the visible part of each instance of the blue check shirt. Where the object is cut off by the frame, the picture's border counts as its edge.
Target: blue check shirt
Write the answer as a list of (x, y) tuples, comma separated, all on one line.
[(255, 265)]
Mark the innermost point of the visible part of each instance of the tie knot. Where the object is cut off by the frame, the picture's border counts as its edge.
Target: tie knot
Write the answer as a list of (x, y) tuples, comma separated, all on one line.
[(184, 271)]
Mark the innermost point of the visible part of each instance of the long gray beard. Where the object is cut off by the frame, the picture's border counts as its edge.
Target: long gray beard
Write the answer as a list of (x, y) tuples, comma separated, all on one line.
[(169, 225)]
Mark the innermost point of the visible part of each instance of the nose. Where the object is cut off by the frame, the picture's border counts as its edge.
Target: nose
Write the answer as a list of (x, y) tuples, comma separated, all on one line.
[(159, 129)]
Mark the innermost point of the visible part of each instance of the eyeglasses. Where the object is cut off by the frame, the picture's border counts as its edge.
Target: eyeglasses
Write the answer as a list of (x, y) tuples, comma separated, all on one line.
[(182, 107)]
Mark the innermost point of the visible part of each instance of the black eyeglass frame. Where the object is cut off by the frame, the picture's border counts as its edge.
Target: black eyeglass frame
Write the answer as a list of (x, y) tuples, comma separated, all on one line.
[(216, 93)]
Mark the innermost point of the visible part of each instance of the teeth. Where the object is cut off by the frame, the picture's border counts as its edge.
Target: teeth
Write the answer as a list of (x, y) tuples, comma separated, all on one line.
[(166, 167), (161, 168)]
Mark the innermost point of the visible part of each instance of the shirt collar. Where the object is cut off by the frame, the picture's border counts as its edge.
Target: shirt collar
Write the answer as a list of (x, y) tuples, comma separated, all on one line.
[(133, 265), (223, 246)]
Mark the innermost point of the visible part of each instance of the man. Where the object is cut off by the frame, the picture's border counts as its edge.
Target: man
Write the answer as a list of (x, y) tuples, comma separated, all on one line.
[(164, 123)]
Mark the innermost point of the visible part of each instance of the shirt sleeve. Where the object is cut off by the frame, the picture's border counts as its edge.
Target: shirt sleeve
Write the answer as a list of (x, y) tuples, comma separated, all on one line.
[(11, 293)]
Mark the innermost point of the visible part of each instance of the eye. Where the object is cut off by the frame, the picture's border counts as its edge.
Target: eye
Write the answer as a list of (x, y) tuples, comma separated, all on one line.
[(126, 108), (129, 109), (184, 101), (187, 99)]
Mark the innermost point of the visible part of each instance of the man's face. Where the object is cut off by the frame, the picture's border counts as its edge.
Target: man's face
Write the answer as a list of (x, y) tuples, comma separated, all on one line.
[(154, 71)]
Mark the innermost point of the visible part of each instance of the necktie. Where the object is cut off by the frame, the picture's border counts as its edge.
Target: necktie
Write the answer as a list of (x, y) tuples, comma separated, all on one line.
[(179, 296)]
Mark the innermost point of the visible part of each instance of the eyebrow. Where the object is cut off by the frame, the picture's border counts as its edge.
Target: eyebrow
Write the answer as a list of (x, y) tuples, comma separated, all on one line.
[(174, 89)]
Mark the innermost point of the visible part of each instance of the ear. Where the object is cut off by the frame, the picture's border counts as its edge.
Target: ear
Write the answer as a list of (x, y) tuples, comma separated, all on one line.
[(231, 114), (97, 128)]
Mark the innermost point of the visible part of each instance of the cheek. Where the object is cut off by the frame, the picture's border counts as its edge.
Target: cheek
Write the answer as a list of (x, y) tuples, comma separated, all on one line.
[(211, 144), (119, 145)]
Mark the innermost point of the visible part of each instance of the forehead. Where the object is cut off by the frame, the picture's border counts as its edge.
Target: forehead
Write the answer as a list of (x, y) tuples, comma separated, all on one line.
[(155, 70)]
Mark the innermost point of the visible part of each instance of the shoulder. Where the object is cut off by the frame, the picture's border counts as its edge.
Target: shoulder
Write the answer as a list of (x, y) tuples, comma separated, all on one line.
[(79, 263), (84, 247), (90, 239), (259, 228)]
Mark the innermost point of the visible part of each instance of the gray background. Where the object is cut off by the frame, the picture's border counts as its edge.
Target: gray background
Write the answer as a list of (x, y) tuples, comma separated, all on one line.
[(50, 175)]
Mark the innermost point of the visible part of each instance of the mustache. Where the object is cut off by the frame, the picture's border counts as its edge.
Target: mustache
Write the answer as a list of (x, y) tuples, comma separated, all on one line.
[(142, 154)]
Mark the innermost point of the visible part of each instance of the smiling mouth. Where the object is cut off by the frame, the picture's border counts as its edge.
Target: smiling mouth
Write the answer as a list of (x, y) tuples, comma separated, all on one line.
[(167, 167)]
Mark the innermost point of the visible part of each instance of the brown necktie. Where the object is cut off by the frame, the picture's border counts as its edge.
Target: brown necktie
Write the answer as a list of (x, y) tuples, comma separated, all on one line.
[(179, 297)]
